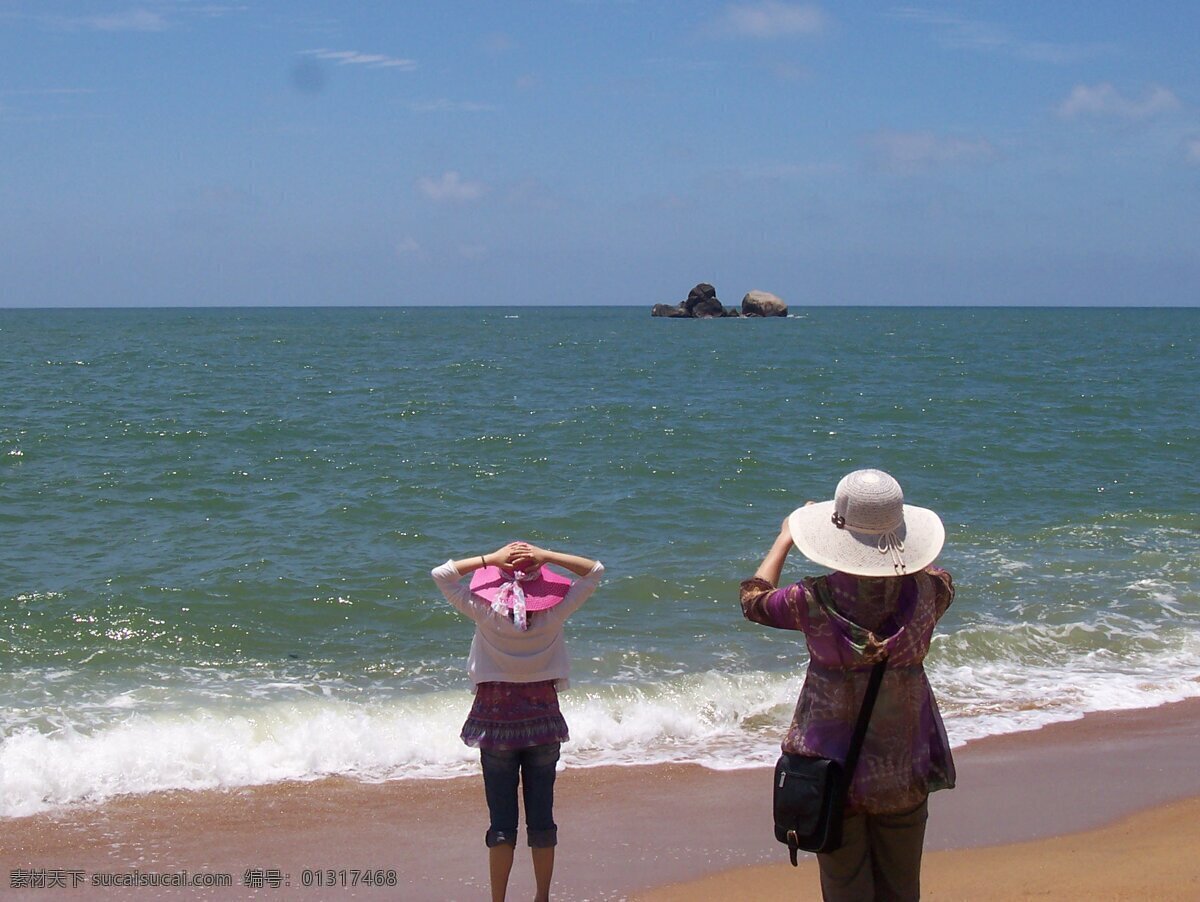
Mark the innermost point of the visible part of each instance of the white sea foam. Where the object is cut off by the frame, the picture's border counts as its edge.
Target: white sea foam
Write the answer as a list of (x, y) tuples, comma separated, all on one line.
[(246, 745), (719, 720)]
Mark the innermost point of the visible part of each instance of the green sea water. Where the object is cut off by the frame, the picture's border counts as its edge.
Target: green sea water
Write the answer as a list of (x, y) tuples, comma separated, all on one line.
[(216, 526)]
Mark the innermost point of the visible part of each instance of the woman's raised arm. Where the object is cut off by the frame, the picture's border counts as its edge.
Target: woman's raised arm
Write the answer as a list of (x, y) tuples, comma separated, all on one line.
[(580, 566), (772, 565)]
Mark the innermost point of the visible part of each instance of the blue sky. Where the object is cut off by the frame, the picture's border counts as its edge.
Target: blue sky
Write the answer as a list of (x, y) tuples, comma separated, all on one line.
[(182, 152)]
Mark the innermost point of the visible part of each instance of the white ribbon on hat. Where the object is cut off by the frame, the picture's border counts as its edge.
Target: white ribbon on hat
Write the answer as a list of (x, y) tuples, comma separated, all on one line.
[(512, 587), (889, 541)]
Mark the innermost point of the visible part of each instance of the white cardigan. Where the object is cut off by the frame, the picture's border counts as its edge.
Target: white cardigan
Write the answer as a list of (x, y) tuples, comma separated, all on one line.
[(502, 653)]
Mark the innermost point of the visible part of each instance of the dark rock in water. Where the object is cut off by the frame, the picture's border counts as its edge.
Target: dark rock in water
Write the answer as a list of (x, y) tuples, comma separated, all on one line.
[(733, 311), (763, 303), (708, 308), (701, 294), (701, 303)]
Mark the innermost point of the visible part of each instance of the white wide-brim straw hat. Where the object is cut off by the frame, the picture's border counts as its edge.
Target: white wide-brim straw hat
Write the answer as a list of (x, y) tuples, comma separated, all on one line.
[(867, 529)]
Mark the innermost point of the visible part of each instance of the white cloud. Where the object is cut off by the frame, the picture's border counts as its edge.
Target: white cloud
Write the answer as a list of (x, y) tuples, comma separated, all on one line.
[(908, 152), (151, 17), (771, 19), (960, 33), (498, 42), (1105, 100), (793, 171), (450, 188), (408, 248), (357, 58), (533, 194), (442, 105), (44, 104), (44, 92), (790, 72), (131, 20)]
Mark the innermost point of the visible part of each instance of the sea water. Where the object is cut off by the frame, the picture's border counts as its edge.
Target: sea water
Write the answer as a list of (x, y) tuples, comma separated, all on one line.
[(217, 526)]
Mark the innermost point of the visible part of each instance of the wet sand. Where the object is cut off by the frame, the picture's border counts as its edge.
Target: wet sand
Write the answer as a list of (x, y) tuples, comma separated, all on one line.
[(640, 832)]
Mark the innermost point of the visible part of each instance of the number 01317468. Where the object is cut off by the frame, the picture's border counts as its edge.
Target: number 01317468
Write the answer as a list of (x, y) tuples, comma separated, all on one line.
[(348, 877)]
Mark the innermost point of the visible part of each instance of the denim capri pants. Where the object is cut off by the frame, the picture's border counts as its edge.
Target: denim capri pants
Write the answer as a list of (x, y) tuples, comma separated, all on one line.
[(533, 769)]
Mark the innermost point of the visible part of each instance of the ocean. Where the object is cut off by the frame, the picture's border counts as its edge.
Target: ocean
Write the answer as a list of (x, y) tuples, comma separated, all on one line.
[(217, 525)]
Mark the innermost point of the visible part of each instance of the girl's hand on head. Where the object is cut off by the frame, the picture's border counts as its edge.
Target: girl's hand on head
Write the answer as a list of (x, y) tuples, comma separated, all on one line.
[(508, 556), (532, 554)]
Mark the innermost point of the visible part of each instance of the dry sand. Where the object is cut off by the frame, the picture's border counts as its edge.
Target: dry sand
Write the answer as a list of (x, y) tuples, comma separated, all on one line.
[(1130, 779), (1150, 855)]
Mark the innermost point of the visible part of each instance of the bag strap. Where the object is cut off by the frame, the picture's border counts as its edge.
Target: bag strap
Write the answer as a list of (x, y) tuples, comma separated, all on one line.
[(864, 718)]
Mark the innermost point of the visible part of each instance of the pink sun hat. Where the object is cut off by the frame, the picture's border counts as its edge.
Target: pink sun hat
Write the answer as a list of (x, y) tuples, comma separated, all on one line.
[(543, 587)]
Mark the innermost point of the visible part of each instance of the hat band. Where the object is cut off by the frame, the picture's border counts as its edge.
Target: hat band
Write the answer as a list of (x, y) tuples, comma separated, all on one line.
[(840, 522)]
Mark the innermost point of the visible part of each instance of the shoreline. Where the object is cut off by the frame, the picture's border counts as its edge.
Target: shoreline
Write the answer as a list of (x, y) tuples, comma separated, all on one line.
[(632, 832)]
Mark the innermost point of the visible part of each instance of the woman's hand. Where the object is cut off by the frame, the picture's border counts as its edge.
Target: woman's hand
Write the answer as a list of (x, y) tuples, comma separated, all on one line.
[(510, 556), (523, 556), (532, 555), (513, 556)]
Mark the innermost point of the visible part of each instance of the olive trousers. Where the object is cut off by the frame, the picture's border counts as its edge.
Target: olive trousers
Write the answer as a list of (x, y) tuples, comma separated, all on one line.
[(880, 858)]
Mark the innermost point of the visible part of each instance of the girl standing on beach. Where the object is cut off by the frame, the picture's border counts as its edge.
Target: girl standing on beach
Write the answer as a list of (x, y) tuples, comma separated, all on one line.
[(517, 664), (882, 601)]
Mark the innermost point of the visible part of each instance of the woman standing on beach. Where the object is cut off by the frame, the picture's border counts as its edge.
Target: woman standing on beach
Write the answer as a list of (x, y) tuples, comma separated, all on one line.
[(882, 601), (518, 661)]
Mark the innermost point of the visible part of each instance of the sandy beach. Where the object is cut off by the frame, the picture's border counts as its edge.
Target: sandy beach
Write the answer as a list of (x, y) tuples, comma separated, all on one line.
[(1103, 807)]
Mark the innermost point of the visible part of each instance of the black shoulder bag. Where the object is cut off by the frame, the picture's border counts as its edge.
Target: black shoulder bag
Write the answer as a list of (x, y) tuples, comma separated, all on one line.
[(810, 793)]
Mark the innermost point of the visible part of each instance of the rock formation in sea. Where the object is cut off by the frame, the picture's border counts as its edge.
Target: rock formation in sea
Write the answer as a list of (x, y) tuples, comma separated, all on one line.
[(763, 303), (702, 303)]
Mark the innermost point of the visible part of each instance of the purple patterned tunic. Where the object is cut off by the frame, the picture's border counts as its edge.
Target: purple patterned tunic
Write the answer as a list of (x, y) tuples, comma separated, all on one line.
[(514, 716), (848, 622)]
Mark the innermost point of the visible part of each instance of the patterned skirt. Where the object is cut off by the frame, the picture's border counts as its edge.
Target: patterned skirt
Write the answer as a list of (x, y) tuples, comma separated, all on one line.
[(514, 716)]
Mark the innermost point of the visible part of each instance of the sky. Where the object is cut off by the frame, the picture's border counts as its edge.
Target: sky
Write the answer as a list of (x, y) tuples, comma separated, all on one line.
[(183, 152)]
